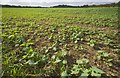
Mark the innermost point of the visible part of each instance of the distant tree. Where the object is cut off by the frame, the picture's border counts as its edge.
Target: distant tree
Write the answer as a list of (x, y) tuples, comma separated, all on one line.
[(65, 6), (18, 6)]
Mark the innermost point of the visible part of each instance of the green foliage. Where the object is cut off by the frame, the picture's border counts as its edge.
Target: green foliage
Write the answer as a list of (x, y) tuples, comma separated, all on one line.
[(93, 71), (48, 42), (80, 66), (103, 56)]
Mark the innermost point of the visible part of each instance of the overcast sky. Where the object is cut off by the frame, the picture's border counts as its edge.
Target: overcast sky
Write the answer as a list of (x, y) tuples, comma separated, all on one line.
[(54, 2)]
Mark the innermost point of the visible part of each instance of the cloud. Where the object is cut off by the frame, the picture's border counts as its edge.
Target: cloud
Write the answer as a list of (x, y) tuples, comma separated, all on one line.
[(53, 2), (2, 1)]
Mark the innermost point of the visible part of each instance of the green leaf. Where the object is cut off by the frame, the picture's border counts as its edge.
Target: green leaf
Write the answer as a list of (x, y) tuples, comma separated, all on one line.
[(75, 69), (92, 45), (110, 64), (57, 60), (85, 73), (83, 77), (54, 49), (33, 54), (64, 74), (64, 53), (30, 50), (17, 45), (44, 57), (11, 36), (25, 49), (23, 45), (75, 72), (83, 61), (95, 74), (75, 66), (64, 62), (79, 61), (25, 56), (53, 57), (30, 62), (106, 54), (100, 51), (30, 43), (95, 69), (76, 41), (46, 51), (110, 60)]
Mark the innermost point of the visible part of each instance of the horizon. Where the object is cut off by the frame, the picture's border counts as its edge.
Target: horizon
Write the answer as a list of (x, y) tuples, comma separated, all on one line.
[(49, 3)]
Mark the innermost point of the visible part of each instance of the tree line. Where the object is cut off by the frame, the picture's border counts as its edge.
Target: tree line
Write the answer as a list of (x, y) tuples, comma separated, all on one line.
[(64, 6)]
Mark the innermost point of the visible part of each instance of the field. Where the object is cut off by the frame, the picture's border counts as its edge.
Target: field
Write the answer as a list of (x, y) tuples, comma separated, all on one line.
[(60, 42)]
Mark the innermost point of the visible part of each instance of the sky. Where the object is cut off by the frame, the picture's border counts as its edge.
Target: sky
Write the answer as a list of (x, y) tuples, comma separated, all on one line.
[(47, 3)]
